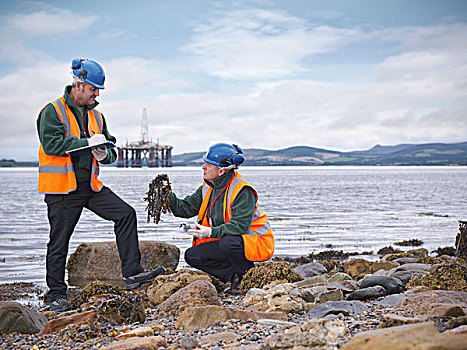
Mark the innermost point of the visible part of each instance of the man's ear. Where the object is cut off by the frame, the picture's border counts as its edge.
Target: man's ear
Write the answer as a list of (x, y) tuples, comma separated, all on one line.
[(221, 172)]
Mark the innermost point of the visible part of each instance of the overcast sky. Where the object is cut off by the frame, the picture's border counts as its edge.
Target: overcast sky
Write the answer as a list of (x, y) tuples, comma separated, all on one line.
[(342, 75)]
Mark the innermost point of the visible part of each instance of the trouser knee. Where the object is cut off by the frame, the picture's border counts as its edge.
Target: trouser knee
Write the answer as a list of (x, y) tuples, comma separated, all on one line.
[(190, 258)]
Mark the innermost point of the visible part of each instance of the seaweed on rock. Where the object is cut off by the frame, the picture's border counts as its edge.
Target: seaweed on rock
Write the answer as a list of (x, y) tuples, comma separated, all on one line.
[(266, 273)]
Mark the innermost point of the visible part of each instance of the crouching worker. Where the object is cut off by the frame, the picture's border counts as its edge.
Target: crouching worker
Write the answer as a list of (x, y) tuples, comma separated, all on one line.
[(231, 231)]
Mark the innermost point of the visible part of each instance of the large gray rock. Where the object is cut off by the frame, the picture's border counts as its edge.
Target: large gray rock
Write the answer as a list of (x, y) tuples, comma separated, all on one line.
[(15, 317), (392, 285), (100, 260), (367, 293), (336, 307), (310, 270)]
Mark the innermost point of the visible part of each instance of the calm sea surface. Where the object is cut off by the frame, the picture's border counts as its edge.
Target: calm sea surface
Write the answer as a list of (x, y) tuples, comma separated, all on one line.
[(311, 209)]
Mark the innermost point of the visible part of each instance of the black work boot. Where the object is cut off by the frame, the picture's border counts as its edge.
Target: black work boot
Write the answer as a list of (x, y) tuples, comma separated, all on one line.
[(59, 304), (146, 276), (234, 288)]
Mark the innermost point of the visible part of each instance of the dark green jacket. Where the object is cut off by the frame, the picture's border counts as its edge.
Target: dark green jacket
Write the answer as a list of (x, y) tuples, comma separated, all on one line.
[(51, 135), (242, 208)]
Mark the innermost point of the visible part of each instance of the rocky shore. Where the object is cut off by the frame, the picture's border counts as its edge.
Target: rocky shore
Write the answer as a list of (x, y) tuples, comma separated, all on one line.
[(408, 299)]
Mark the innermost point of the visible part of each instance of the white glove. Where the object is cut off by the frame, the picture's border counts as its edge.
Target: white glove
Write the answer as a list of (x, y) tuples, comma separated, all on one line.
[(100, 153), (200, 231), (96, 139)]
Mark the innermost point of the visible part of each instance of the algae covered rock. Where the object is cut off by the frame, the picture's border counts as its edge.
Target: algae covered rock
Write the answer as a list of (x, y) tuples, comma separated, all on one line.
[(444, 277), (92, 289), (264, 274)]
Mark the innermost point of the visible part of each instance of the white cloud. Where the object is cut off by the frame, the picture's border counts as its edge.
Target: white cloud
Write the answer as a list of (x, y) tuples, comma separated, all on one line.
[(418, 94), (258, 43), (51, 22)]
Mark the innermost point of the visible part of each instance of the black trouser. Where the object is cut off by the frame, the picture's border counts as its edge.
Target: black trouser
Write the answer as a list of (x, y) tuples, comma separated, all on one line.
[(64, 211), (222, 259)]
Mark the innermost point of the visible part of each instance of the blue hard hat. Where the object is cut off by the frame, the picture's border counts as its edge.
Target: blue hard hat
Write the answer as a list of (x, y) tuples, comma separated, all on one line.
[(88, 71), (224, 155)]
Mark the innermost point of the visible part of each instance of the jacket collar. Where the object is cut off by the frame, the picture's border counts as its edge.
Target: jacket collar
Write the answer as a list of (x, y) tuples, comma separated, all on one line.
[(221, 181)]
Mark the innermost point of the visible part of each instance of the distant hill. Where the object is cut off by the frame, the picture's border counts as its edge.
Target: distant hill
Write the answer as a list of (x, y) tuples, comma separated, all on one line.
[(403, 154), (11, 163)]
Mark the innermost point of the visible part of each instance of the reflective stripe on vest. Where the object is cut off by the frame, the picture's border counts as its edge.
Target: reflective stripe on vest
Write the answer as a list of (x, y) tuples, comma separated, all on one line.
[(259, 240), (56, 174)]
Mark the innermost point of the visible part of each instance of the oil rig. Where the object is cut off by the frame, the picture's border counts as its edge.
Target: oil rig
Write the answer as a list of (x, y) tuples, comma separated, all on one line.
[(144, 152)]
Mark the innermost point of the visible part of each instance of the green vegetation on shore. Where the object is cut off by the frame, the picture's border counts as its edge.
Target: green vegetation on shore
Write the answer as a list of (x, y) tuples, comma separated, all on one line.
[(11, 163)]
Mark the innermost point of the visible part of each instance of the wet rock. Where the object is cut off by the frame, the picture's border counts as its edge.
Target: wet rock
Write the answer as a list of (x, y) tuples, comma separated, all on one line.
[(346, 286), (332, 331), (137, 332), (189, 343), (406, 271), (392, 285), (456, 322), (222, 337), (391, 300), (310, 270), (262, 274), (202, 317), (15, 317), (367, 293), (409, 337), (329, 295), (320, 280), (404, 261), (437, 302), (166, 285), (303, 340), (56, 325), (146, 343), (198, 293), (339, 277), (100, 260), (359, 268), (276, 296), (393, 320), (443, 277), (336, 307)]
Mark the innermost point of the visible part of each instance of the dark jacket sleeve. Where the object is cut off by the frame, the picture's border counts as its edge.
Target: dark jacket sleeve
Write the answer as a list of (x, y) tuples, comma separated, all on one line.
[(242, 215), (52, 134), (187, 207)]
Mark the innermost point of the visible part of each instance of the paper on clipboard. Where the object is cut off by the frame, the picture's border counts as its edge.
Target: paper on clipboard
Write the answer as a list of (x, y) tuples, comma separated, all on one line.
[(88, 149)]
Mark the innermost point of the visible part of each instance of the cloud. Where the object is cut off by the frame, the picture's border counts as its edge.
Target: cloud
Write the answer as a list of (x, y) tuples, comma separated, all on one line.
[(54, 21), (259, 43), (416, 94)]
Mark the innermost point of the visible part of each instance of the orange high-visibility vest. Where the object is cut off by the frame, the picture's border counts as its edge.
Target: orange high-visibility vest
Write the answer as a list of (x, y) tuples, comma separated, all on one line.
[(259, 240), (56, 174)]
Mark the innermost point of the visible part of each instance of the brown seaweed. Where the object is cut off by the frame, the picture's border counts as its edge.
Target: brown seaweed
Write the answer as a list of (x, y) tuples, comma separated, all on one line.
[(158, 197)]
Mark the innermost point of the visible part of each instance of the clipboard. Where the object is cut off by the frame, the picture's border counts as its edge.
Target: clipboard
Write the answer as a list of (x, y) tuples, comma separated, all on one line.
[(87, 149)]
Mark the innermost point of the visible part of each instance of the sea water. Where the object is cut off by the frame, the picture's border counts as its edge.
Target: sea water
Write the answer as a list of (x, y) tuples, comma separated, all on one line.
[(311, 209)]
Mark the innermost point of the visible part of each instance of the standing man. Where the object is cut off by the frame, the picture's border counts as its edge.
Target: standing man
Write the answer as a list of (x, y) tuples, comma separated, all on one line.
[(231, 231), (70, 182)]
